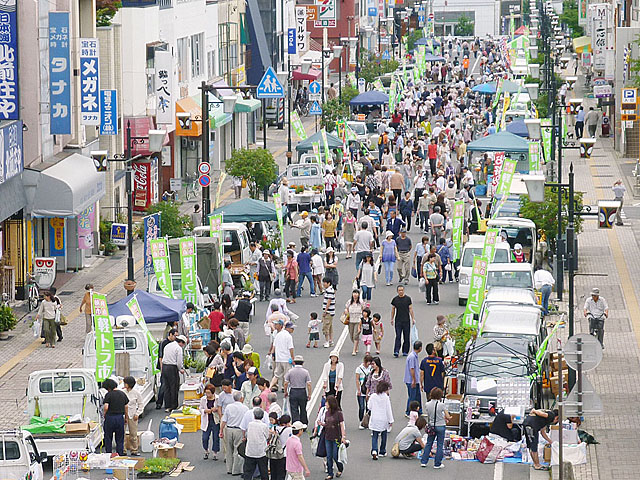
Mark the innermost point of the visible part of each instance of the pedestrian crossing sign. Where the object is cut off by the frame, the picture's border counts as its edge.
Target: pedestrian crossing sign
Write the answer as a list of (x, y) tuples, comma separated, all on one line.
[(315, 109), (385, 55), (270, 86)]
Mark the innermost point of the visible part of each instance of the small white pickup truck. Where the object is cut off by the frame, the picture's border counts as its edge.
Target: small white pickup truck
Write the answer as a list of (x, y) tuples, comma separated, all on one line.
[(19, 456)]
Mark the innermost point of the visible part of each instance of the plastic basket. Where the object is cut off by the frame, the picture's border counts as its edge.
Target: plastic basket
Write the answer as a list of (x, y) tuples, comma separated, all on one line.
[(191, 423), (204, 334)]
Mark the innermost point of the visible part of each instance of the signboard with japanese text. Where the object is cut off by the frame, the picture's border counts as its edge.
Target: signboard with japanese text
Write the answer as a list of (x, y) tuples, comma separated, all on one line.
[(476, 291), (498, 160), (105, 349), (164, 87), (490, 240), (119, 234), (296, 123), (458, 220), (136, 312), (57, 237), (86, 221), (291, 41), (108, 112), (215, 231), (188, 269), (9, 94), (326, 13), (151, 232), (534, 156), (161, 265), (302, 42), (506, 176), (59, 74), (11, 156), (89, 82)]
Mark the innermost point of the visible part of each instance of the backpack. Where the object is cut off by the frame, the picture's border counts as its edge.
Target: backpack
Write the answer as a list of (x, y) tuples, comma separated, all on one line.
[(275, 450)]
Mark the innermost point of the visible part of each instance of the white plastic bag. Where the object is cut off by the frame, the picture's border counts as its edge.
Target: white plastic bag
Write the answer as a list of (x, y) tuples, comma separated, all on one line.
[(449, 348), (342, 454), (414, 334), (36, 328), (286, 408), (269, 362), (422, 284)]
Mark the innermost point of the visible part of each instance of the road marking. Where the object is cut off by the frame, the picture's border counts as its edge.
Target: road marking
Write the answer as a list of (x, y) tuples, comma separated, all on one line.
[(29, 349), (498, 471), (317, 390)]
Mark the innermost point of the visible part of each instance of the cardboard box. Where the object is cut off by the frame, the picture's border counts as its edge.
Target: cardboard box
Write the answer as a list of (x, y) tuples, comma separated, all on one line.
[(454, 421), (139, 461), (547, 453), (76, 428), (569, 437), (169, 452), (554, 363)]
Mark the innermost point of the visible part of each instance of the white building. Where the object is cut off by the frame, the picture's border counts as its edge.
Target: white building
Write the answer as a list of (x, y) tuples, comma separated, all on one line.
[(484, 14)]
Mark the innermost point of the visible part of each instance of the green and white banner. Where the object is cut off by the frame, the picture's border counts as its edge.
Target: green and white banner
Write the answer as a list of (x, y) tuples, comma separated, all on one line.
[(545, 124), (105, 350), (215, 231), (296, 123), (327, 154), (377, 84), (392, 95), (351, 76), (565, 126), (188, 269), (535, 164), (476, 291), (458, 220), (490, 240), (506, 176), (277, 201), (136, 312), (161, 265)]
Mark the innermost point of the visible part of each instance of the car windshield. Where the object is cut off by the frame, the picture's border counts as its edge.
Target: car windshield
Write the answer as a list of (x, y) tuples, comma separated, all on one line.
[(359, 128), (518, 235), (501, 255), (510, 279), (493, 366)]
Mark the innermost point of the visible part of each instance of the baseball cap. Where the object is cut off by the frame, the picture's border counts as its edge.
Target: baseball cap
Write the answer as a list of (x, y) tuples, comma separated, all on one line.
[(252, 371), (298, 425), (290, 325), (298, 358), (181, 338)]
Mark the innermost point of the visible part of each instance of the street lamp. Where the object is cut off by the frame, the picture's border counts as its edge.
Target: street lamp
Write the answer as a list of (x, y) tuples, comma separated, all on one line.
[(533, 127), (534, 69), (532, 89)]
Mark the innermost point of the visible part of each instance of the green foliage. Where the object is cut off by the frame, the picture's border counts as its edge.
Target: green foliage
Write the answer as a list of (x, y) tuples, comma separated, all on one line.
[(634, 67), (105, 230), (542, 104), (545, 214), (372, 66), (173, 223), (109, 247), (348, 93), (8, 319), (159, 465), (332, 111), (461, 334), (198, 364), (413, 37), (105, 11), (530, 79), (464, 27), (256, 165), (569, 17)]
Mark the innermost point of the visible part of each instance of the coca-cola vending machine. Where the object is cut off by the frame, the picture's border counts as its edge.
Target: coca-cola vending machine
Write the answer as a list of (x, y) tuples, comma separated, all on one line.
[(145, 183)]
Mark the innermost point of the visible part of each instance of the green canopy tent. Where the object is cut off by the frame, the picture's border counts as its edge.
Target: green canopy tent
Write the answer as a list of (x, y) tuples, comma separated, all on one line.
[(247, 210), (512, 145), (307, 145)]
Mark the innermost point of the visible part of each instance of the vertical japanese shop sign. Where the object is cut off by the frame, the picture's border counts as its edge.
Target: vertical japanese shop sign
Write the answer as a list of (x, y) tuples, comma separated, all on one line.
[(164, 87), (9, 99), (458, 218), (188, 269), (302, 42), (534, 156), (476, 291), (59, 74), (86, 221), (89, 82), (105, 351), (151, 232), (108, 112), (136, 312), (161, 265)]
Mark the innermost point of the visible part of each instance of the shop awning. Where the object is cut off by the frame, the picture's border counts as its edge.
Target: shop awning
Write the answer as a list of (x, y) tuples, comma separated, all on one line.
[(582, 44), (220, 119), (65, 188), (247, 106), (189, 105), (140, 127), (313, 74), (13, 197)]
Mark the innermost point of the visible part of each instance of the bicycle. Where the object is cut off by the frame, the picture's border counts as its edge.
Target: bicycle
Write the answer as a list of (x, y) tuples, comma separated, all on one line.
[(302, 107), (33, 293), (190, 186)]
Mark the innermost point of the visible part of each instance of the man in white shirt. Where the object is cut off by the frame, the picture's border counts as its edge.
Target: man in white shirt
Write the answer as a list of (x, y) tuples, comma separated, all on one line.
[(257, 436), (282, 349), (544, 282), (248, 415), (249, 388), (232, 434), (172, 366), (363, 242), (254, 258), (283, 190)]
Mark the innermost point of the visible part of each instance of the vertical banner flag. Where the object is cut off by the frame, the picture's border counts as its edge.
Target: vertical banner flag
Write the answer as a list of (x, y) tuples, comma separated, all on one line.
[(302, 42), (316, 151), (85, 227), (215, 231), (498, 160), (108, 112), (506, 176), (327, 154), (136, 313), (277, 201), (565, 127), (223, 175), (476, 291), (490, 240), (161, 265), (59, 74), (188, 269), (534, 156), (545, 124), (89, 82), (351, 76), (458, 218), (105, 350), (164, 87), (152, 230), (296, 123)]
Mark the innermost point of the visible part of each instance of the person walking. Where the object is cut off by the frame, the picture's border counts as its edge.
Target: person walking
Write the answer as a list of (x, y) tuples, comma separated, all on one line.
[(266, 275), (580, 116), (394, 224), (328, 311), (304, 271), (430, 273), (362, 372), (446, 261), (367, 276), (388, 256), (438, 417), (257, 435), (304, 224), (282, 349), (334, 434), (349, 231), (85, 306), (423, 210), (331, 267), (378, 374), (431, 371), (231, 433), (619, 191), (332, 377), (403, 245), (353, 312), (115, 411), (406, 209), (364, 242), (297, 386), (208, 424), (403, 317), (135, 408), (290, 277), (381, 419), (591, 120), (317, 270), (296, 464), (544, 281), (419, 253), (412, 377), (47, 315), (437, 224), (172, 366), (329, 228)]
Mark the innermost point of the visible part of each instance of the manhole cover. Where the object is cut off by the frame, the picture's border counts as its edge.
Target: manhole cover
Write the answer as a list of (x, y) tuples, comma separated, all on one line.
[(65, 292)]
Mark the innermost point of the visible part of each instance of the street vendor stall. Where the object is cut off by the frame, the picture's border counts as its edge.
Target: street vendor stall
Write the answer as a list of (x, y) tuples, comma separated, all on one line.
[(513, 146), (247, 210), (371, 104), (155, 308)]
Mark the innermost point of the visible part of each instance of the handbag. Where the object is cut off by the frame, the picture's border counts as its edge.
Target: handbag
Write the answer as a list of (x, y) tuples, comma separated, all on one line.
[(431, 429), (365, 420), (63, 320), (488, 452), (57, 319), (395, 448), (242, 448), (414, 272), (344, 318), (321, 451), (422, 284)]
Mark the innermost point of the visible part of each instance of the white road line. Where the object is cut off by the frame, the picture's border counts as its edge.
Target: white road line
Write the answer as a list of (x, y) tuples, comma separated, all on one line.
[(498, 472), (317, 390)]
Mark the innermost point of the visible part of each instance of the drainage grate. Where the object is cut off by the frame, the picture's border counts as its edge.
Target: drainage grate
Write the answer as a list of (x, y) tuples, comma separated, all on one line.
[(603, 175), (65, 292), (601, 165)]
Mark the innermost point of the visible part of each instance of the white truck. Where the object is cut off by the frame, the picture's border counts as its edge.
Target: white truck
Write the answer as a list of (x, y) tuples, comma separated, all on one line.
[(20, 457)]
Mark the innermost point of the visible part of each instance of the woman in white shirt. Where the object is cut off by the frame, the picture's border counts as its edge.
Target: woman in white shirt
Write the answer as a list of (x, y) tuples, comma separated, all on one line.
[(47, 314), (332, 375), (317, 270), (381, 419)]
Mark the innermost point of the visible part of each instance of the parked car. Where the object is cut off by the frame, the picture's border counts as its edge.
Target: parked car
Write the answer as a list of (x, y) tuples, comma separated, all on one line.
[(514, 275), (21, 459), (474, 247)]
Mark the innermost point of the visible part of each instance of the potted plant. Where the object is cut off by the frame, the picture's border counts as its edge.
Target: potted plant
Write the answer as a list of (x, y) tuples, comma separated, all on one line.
[(8, 321)]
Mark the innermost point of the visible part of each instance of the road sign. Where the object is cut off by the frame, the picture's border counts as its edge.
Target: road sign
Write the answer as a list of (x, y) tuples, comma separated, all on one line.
[(385, 55), (204, 168), (362, 84), (205, 180), (270, 86), (591, 351), (629, 98), (372, 11), (591, 402), (315, 109), (628, 117), (314, 88)]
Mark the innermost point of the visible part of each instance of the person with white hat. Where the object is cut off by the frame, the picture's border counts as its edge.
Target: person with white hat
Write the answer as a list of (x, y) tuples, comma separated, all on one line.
[(596, 309), (296, 464), (172, 365)]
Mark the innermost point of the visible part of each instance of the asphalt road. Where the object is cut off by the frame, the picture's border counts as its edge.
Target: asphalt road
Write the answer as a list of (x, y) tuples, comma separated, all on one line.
[(360, 461)]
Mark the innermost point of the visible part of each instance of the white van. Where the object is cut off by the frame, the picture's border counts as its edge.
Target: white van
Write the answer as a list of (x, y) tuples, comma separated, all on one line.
[(474, 247), (512, 320), (203, 300), (514, 275), (20, 458), (236, 240), (518, 230)]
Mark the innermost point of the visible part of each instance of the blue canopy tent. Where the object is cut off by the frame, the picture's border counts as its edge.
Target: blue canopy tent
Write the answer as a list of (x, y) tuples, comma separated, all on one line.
[(500, 142), (421, 41), (429, 57), (247, 210), (372, 97), (491, 87), (519, 128), (155, 309)]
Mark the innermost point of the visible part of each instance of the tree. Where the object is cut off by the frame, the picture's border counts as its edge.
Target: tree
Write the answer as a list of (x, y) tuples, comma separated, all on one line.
[(172, 223), (413, 37), (569, 17), (105, 11), (545, 214), (257, 166), (372, 66), (332, 111), (464, 27)]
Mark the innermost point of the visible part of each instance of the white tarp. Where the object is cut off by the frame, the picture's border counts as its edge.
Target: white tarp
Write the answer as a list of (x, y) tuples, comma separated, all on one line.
[(64, 189)]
